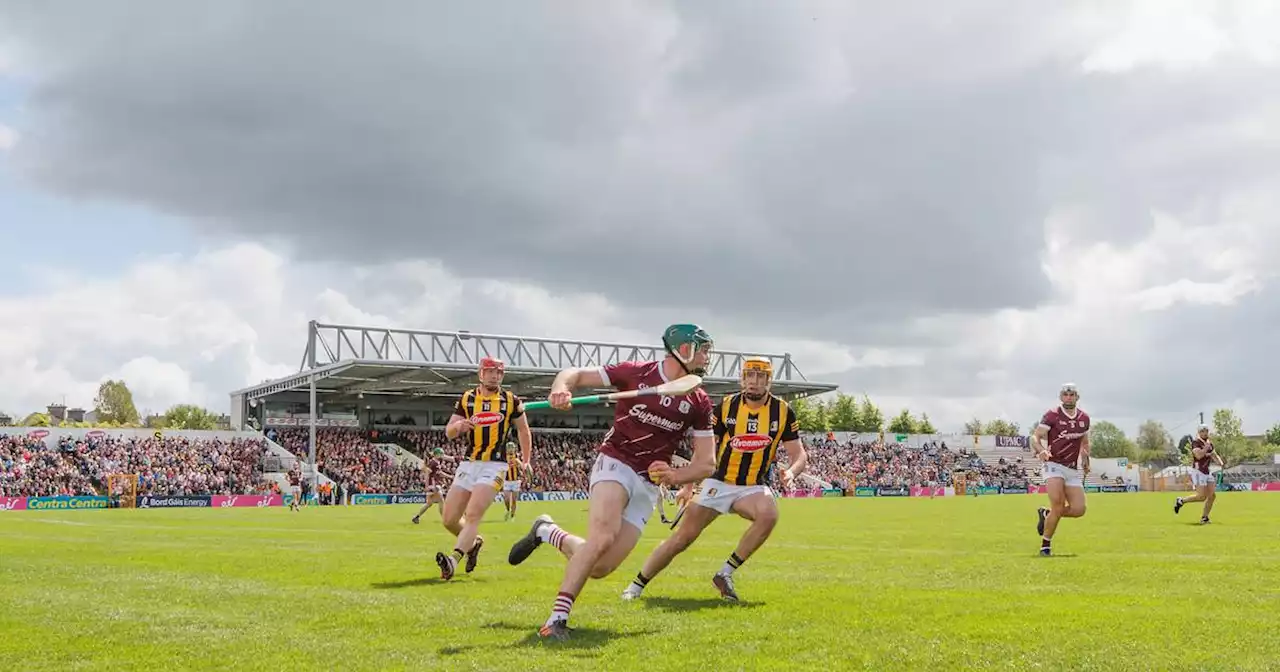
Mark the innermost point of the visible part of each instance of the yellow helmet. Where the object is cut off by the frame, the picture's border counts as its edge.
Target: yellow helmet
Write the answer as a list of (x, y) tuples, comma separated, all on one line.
[(757, 364)]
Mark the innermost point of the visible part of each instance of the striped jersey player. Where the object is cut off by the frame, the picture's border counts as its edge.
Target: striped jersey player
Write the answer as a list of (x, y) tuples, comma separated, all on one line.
[(485, 414)]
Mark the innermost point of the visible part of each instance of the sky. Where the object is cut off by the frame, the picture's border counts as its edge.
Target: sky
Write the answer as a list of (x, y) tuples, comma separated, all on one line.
[(951, 209)]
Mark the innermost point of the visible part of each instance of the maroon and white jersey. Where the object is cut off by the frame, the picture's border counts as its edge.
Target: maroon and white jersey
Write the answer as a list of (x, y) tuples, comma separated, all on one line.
[(649, 429), (438, 474), (1202, 463), (1066, 433)]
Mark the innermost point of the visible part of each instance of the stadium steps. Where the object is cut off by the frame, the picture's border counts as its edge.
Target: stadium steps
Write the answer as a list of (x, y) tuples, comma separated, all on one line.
[(286, 461), (400, 454)]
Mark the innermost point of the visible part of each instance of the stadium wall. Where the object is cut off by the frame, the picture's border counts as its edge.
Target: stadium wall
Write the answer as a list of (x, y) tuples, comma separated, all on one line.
[(367, 499)]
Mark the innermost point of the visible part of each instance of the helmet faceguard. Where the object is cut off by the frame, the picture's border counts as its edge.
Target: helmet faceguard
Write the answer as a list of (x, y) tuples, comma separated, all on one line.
[(757, 378), (1069, 395), (699, 342), (491, 372)]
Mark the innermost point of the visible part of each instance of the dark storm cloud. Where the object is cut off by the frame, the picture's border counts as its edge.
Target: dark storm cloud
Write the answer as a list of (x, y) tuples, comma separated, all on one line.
[(818, 149)]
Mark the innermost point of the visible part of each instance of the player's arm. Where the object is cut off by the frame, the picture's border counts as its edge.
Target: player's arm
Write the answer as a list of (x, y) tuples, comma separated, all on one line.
[(571, 379), (793, 446), (524, 435), (1084, 452), (1040, 438), (797, 456), (1198, 453), (1218, 458), (458, 422), (457, 426), (703, 463)]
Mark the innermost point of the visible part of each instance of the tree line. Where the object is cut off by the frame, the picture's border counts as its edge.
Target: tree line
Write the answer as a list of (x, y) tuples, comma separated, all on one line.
[(113, 408), (1155, 444), (844, 413)]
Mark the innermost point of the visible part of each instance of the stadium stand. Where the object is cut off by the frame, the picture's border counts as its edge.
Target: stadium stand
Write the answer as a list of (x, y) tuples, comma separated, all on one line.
[(167, 466)]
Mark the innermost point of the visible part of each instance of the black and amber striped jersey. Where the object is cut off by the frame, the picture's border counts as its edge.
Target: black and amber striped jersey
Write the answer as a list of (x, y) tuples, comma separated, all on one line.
[(513, 469), (492, 415), (747, 439)]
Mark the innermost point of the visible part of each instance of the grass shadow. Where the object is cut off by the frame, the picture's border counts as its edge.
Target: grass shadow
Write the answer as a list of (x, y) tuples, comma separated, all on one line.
[(1056, 555), (686, 604), (579, 638), (423, 581), (389, 585)]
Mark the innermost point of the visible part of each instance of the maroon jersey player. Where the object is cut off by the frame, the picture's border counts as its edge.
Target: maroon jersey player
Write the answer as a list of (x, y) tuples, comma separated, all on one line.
[(1062, 442), (435, 479), (634, 457), (1202, 454)]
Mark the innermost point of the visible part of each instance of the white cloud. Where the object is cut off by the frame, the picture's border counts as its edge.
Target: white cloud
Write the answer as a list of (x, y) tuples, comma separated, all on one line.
[(1179, 34), (156, 384), (8, 138), (190, 329)]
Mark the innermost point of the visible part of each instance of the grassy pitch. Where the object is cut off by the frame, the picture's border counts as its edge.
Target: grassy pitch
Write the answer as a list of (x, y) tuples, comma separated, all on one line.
[(884, 584)]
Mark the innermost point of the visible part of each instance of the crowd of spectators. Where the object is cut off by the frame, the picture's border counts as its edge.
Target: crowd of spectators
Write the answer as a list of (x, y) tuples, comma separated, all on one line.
[(348, 456), (33, 467), (29, 468), (562, 460)]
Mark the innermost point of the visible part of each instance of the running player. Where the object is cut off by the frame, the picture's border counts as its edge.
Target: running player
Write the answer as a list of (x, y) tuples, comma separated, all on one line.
[(750, 425), (487, 412), (295, 489), (1066, 431), (634, 460), (1202, 453), (433, 480), (511, 484)]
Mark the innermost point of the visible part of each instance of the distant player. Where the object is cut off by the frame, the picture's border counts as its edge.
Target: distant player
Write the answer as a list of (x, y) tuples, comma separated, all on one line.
[(487, 413), (511, 484), (1066, 431), (749, 427), (295, 489), (433, 481), (1202, 453), (634, 456)]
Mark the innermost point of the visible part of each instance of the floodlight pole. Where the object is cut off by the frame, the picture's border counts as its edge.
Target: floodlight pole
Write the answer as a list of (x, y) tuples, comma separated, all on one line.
[(312, 447)]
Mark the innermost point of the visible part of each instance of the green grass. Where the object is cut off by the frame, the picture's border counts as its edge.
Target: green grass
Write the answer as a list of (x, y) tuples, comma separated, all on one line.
[(885, 584)]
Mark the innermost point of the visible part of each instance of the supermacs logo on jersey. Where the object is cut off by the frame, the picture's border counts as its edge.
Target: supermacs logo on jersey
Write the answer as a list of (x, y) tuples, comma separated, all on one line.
[(641, 413)]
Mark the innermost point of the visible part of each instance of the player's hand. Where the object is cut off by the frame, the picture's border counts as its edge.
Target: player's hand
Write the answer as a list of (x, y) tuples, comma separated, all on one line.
[(464, 425), (559, 399), (660, 473), (787, 479), (528, 468)]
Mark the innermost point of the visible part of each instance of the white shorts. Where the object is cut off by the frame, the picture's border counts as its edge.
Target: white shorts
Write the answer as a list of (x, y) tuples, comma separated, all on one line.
[(1071, 477), (511, 486), (471, 475), (643, 495), (720, 496), (1198, 479)]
